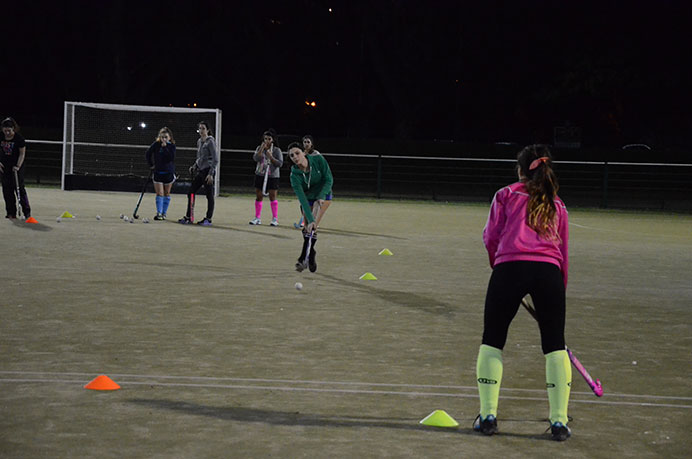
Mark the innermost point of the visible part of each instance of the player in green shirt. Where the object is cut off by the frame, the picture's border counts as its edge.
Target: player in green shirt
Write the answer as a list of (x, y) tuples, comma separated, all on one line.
[(312, 181)]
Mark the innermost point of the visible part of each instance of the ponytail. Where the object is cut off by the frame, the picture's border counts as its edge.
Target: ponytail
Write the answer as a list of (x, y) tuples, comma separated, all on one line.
[(535, 167)]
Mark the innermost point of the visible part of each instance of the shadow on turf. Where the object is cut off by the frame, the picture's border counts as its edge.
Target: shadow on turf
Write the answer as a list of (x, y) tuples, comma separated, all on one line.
[(321, 231), (249, 231), (356, 233), (31, 226), (296, 418), (406, 299)]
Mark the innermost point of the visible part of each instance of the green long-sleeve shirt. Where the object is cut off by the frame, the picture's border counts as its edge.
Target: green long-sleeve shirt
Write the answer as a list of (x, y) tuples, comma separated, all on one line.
[(312, 185)]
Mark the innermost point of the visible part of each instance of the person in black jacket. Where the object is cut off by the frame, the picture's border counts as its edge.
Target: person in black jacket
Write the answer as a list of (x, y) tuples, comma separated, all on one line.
[(12, 161), (161, 159)]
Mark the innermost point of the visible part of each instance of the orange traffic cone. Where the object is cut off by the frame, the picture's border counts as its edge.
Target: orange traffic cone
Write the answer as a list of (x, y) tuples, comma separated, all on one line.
[(102, 382), (31, 220)]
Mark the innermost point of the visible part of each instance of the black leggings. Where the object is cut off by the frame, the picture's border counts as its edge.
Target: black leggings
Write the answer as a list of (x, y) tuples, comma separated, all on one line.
[(509, 283), (199, 181), (9, 187)]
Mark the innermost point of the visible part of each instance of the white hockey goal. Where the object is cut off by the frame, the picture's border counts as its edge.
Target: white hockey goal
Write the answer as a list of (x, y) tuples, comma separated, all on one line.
[(104, 144)]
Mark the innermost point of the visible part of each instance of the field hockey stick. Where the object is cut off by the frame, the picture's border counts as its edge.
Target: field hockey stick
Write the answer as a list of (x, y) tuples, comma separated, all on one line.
[(594, 385), (266, 179), (308, 248), (18, 194), (191, 198), (141, 195), (192, 207)]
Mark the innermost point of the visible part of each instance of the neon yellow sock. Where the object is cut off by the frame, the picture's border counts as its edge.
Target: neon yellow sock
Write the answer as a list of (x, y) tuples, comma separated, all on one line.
[(489, 374), (558, 377)]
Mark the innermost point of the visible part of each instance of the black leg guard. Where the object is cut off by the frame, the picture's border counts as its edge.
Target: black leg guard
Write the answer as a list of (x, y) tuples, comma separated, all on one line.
[(312, 259), (300, 265)]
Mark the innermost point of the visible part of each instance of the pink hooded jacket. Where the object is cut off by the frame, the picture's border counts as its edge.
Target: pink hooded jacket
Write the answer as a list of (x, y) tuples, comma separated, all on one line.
[(508, 237)]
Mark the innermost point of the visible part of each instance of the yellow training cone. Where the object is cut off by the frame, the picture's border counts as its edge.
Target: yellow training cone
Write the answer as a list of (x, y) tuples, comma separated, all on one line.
[(385, 252), (367, 276), (66, 214), (439, 418)]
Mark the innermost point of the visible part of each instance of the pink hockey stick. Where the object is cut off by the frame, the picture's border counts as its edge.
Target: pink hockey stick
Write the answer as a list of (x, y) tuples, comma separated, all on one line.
[(595, 386)]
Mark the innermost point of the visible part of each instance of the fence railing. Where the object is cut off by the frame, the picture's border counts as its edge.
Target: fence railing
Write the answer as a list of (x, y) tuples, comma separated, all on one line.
[(582, 183)]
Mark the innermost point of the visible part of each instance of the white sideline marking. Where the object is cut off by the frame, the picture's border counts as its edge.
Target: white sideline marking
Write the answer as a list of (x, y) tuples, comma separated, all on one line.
[(289, 388)]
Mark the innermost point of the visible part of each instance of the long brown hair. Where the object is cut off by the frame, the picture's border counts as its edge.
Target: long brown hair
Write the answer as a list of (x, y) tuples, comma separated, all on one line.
[(535, 166)]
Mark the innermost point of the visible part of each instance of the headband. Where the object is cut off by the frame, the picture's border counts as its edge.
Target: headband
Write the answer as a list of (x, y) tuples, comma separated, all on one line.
[(537, 162)]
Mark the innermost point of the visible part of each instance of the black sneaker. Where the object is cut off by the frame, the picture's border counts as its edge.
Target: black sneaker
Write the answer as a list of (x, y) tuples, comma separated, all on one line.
[(185, 220), (300, 266), (487, 426), (158, 217), (560, 432)]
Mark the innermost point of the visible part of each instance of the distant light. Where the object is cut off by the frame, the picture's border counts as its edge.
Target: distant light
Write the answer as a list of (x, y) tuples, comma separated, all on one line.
[(195, 104), (330, 10), (313, 104), (129, 128), (142, 124)]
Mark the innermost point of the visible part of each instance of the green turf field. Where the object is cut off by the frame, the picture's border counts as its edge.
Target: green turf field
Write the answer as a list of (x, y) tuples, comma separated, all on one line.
[(218, 355)]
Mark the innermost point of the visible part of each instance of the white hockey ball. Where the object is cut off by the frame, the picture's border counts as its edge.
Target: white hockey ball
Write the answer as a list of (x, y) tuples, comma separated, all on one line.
[(126, 218), (98, 217), (299, 286), (122, 216), (145, 220), (58, 219)]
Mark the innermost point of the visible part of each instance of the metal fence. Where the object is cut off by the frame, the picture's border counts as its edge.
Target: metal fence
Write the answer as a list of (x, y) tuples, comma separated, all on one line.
[(604, 184)]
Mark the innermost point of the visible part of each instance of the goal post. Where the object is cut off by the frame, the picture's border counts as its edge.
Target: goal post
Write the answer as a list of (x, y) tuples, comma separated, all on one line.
[(104, 144)]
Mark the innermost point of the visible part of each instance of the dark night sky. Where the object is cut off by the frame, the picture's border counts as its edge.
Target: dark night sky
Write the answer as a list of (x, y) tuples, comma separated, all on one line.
[(477, 71)]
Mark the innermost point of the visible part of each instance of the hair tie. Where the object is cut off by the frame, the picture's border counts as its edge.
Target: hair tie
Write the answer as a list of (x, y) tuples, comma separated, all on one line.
[(537, 162)]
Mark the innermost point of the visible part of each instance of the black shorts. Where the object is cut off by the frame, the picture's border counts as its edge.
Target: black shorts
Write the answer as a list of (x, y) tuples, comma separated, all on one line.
[(272, 182), (164, 177)]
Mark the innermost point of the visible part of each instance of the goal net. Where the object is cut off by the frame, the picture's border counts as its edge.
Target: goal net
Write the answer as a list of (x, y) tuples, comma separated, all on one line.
[(104, 144)]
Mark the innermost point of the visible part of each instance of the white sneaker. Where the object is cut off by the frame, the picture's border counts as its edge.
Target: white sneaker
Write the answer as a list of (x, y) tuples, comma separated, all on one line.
[(255, 221), (274, 222)]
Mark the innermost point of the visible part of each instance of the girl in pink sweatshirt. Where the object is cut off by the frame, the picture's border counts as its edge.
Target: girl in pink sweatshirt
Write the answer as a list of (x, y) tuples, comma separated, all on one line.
[(527, 241)]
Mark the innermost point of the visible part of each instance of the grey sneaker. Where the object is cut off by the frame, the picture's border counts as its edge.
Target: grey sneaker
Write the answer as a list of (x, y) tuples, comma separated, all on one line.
[(274, 222), (255, 221)]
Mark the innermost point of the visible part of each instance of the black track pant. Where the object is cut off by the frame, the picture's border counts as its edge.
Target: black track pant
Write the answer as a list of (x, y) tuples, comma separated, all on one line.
[(8, 191), (199, 181), (509, 283)]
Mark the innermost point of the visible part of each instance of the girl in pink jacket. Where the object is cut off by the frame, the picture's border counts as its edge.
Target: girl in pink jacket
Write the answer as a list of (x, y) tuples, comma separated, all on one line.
[(527, 241)]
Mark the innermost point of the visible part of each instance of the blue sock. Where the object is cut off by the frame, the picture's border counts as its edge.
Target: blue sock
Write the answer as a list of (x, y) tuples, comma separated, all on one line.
[(159, 204), (165, 204)]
